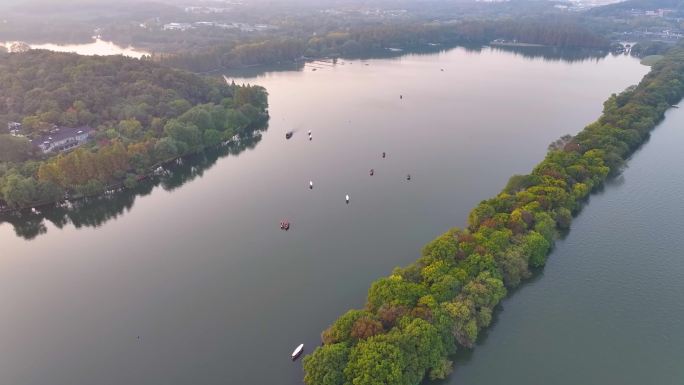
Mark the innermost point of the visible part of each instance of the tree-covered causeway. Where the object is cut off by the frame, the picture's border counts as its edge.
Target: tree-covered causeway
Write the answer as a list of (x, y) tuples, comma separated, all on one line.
[(422, 313)]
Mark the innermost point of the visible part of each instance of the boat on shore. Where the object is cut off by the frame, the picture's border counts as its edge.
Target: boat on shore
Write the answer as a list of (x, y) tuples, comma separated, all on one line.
[(297, 352)]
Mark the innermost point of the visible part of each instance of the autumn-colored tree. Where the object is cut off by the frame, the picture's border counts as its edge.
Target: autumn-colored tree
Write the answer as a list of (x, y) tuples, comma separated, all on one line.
[(365, 327)]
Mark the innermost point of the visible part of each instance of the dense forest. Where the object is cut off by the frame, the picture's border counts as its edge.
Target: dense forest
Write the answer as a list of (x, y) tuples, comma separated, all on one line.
[(557, 32), (646, 48), (419, 315), (141, 23), (294, 31), (143, 114)]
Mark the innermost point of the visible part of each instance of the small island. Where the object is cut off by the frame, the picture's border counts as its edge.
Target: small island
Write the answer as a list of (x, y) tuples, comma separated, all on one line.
[(78, 125)]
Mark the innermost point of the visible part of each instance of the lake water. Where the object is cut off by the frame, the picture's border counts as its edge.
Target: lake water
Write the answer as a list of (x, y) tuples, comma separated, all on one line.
[(195, 282), (608, 307), (97, 47)]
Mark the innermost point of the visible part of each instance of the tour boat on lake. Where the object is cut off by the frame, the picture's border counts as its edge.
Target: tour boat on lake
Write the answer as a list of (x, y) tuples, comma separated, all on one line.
[(297, 351)]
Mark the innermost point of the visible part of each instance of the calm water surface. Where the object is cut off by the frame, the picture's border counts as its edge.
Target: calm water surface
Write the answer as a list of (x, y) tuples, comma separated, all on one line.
[(97, 47), (609, 306), (218, 294)]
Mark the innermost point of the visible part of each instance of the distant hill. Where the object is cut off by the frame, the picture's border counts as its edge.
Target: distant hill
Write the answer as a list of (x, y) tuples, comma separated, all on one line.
[(642, 5)]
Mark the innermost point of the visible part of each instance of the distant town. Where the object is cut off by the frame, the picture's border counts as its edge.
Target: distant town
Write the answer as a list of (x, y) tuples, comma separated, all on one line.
[(242, 27)]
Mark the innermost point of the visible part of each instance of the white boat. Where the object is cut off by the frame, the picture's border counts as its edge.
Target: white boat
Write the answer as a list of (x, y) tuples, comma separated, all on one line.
[(347, 198), (297, 351), (310, 184)]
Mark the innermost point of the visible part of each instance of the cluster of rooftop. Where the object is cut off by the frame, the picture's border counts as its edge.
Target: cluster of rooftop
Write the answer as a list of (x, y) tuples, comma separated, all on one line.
[(58, 139), (243, 27)]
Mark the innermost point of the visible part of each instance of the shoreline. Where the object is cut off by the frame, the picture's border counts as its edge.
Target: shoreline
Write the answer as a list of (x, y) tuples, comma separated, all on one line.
[(511, 44), (116, 186), (448, 296)]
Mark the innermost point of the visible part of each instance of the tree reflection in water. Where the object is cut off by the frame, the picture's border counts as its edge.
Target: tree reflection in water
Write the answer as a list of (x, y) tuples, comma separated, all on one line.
[(95, 211)]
